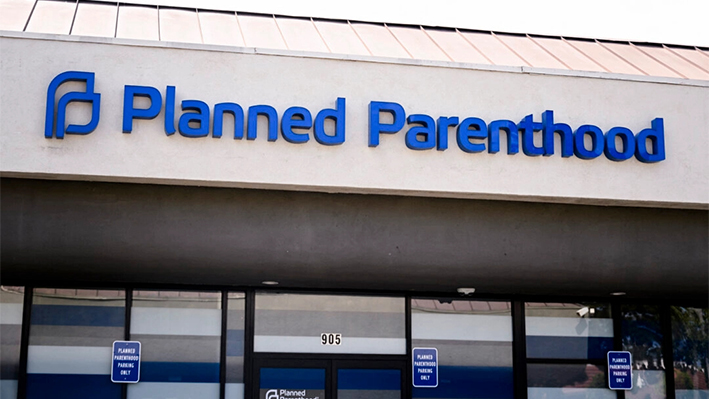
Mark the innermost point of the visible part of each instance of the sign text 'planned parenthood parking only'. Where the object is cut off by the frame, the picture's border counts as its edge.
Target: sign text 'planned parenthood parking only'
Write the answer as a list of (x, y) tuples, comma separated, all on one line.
[(425, 363), (125, 366), (620, 370)]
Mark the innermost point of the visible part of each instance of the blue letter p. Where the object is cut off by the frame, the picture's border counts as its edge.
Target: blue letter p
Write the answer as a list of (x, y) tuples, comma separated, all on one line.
[(50, 127)]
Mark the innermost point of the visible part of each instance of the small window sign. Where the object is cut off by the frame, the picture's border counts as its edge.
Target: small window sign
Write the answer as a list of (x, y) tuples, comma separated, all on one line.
[(331, 339), (125, 366), (620, 370), (425, 364)]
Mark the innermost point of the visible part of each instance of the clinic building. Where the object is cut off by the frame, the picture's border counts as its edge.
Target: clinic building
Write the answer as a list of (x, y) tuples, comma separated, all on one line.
[(285, 207)]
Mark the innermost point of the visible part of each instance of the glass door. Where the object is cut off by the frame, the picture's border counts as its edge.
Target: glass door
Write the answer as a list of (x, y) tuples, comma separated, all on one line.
[(292, 379), (328, 379), (367, 379)]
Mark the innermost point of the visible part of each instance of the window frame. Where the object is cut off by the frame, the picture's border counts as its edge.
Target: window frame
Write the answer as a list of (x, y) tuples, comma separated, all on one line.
[(520, 360)]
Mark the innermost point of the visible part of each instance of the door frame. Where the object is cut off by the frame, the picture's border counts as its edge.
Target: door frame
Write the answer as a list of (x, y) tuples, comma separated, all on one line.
[(331, 362)]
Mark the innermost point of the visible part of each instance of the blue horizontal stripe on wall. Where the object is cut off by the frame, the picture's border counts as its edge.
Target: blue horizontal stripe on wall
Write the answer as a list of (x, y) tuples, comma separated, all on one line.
[(235, 342), (364, 379), (292, 378), (460, 382), (71, 386), (179, 372), (568, 347), (67, 315)]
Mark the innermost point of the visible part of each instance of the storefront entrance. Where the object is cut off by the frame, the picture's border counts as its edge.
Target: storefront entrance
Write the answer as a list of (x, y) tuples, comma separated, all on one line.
[(328, 378)]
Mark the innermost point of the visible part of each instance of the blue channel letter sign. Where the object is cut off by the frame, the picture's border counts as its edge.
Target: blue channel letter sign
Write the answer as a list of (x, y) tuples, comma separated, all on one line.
[(125, 366), (620, 370), (197, 119), (425, 363)]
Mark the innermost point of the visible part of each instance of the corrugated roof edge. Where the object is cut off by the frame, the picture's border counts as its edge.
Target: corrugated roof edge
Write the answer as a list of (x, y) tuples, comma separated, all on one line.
[(230, 10), (219, 8), (350, 57)]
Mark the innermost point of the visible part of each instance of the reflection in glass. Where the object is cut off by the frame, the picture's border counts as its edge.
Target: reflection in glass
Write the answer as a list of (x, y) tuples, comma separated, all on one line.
[(368, 384), (290, 323), (690, 340), (474, 342), (642, 337), (567, 381), (11, 300), (180, 332), (71, 338), (236, 305), (566, 376), (568, 330)]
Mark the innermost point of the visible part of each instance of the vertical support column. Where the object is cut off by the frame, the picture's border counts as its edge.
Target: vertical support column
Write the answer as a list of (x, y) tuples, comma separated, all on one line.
[(126, 331), (24, 342), (667, 350), (129, 306), (330, 380), (250, 391), (519, 350), (407, 391), (617, 316), (222, 346)]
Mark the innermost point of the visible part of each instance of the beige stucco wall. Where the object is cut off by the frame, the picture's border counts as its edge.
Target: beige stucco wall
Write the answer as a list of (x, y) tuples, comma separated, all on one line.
[(282, 80)]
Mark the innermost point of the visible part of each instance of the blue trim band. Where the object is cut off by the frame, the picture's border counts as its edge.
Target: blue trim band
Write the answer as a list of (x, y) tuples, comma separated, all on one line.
[(292, 378), (179, 372), (71, 386), (369, 379), (70, 315)]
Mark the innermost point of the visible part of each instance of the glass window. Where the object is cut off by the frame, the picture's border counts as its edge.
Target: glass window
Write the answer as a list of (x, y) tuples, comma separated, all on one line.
[(11, 300), (474, 342), (642, 337), (368, 383), (577, 334), (568, 330), (690, 341), (180, 335), (236, 305), (70, 343), (568, 381), (296, 323)]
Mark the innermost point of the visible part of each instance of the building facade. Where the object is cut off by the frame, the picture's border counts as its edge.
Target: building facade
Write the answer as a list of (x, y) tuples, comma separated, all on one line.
[(289, 207)]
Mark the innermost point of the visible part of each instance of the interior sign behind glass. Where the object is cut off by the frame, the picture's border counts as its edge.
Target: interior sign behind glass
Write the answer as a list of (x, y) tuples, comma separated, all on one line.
[(331, 339), (620, 370), (125, 365), (425, 364)]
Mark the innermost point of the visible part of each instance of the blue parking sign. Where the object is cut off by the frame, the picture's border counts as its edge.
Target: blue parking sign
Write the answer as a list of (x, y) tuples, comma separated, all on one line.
[(125, 366), (425, 363), (620, 370)]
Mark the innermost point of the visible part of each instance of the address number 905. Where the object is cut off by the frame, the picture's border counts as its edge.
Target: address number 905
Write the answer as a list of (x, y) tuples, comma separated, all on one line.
[(331, 338)]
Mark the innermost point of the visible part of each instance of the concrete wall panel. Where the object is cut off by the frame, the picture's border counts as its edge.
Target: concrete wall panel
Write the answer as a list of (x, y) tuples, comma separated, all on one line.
[(68, 232)]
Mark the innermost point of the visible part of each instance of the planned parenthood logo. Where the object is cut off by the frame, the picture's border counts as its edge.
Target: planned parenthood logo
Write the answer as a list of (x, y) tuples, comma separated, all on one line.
[(55, 118), (293, 394)]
